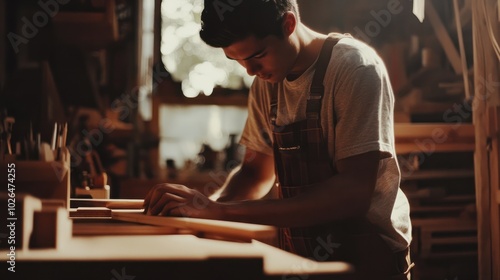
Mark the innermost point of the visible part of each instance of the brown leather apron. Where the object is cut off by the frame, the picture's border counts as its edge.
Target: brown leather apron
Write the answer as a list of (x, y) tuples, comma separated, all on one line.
[(302, 160)]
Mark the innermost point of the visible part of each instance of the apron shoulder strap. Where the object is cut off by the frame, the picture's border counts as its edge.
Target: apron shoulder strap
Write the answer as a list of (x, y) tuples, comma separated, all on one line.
[(317, 88), (274, 104)]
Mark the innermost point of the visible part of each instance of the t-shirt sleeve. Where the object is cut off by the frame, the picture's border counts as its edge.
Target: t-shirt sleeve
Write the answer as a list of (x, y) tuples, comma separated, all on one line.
[(257, 133), (364, 109)]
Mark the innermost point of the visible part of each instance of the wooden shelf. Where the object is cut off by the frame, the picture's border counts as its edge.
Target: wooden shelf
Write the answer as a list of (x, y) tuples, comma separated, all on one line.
[(429, 138), (444, 225), (93, 30), (170, 92), (239, 99), (439, 174)]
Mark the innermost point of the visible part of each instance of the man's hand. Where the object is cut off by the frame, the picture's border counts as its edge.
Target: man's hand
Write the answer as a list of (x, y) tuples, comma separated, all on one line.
[(180, 201)]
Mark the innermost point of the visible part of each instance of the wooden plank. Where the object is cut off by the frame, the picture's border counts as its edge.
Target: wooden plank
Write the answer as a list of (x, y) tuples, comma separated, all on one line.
[(242, 231), (435, 210), (438, 174), (447, 222), (455, 131), (433, 137), (409, 148), (448, 256), (455, 240)]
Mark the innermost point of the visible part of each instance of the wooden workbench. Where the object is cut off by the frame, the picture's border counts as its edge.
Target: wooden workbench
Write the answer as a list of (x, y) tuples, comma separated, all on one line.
[(103, 248)]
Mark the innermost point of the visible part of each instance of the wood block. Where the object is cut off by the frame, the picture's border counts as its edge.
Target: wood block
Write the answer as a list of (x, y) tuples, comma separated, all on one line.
[(19, 225), (52, 228)]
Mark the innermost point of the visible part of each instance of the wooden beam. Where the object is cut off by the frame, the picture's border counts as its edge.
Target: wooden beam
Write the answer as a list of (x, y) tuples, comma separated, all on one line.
[(486, 72), (443, 37), (463, 60), (494, 134)]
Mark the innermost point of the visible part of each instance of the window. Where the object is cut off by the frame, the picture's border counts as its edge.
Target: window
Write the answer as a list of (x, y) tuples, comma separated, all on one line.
[(185, 129), (196, 65)]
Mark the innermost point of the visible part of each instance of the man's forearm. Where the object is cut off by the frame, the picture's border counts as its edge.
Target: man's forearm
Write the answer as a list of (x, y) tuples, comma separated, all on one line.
[(337, 198), (241, 185), (345, 195)]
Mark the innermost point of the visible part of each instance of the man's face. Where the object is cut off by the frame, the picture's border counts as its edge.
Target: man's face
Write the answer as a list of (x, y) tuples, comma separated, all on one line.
[(270, 58)]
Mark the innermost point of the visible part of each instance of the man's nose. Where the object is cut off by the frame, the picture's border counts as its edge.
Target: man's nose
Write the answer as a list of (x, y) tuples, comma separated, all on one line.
[(252, 67)]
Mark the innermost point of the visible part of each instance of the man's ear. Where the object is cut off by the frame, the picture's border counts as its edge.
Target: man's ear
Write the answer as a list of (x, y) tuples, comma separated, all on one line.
[(289, 23)]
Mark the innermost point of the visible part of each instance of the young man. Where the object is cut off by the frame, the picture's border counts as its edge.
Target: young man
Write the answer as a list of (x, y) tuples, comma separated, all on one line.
[(320, 123)]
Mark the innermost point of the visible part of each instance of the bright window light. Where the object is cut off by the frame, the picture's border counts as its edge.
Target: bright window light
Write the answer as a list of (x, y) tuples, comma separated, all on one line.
[(196, 65)]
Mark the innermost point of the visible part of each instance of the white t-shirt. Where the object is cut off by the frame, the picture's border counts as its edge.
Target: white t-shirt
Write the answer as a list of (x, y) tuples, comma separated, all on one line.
[(356, 117)]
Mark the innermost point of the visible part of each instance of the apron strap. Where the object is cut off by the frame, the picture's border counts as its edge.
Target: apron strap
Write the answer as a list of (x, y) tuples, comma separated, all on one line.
[(317, 88), (273, 113)]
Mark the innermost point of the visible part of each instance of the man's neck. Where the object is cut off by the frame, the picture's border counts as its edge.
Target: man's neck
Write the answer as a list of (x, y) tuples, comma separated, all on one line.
[(309, 44)]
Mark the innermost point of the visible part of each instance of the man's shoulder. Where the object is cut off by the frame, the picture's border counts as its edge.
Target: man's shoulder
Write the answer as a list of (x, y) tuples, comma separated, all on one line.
[(351, 54), (353, 50)]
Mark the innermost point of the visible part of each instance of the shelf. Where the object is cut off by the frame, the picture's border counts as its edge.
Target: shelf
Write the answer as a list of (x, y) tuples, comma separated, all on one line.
[(445, 237), (230, 100), (419, 212), (429, 138), (446, 222), (92, 29), (438, 174), (444, 226)]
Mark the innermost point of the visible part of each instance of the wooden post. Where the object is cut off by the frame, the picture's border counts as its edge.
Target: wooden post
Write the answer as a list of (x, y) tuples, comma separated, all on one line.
[(486, 94), (494, 133)]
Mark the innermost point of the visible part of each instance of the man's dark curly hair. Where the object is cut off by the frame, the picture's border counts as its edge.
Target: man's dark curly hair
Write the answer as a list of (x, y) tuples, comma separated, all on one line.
[(227, 21)]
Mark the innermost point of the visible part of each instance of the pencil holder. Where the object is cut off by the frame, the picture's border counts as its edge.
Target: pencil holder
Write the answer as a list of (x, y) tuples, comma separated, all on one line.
[(41, 179)]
